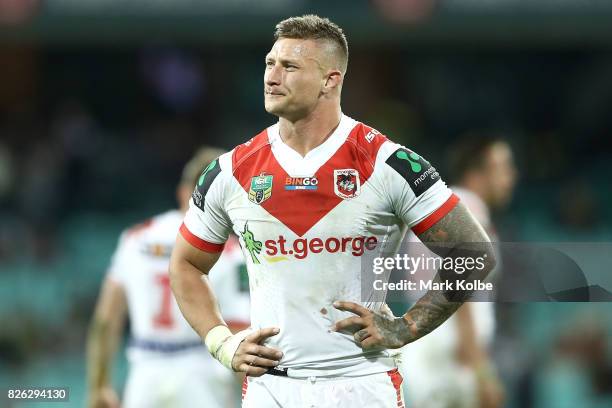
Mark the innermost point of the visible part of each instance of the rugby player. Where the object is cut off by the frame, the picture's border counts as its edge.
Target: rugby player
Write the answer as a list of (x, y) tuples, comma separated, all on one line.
[(168, 364), (308, 197)]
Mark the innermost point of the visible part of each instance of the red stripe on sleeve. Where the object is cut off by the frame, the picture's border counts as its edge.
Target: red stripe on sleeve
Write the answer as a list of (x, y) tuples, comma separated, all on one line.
[(199, 242), (436, 216)]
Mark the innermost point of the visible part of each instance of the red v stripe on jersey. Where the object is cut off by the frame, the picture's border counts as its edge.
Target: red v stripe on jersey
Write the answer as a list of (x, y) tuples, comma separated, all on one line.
[(300, 210)]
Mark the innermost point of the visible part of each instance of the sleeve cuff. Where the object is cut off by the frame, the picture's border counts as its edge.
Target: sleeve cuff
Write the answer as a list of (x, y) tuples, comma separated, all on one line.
[(199, 242), (436, 216)]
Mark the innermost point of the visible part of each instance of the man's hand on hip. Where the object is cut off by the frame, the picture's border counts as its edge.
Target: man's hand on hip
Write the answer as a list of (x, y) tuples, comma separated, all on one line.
[(254, 359), (371, 329)]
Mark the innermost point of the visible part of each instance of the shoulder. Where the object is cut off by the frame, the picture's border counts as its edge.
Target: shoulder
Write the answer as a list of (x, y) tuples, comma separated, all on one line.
[(160, 222), (404, 163), (366, 140), (375, 146), (250, 150), (131, 236), (228, 163), (136, 230), (165, 224), (150, 224)]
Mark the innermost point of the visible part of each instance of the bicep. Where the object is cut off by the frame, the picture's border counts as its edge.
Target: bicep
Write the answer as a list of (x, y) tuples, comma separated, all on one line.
[(457, 226), (185, 254), (458, 229)]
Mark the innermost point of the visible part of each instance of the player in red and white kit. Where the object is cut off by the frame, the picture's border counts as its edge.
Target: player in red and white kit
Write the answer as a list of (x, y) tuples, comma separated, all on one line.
[(308, 197), (169, 367)]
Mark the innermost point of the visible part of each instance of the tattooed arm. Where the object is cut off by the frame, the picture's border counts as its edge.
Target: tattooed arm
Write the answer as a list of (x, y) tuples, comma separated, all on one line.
[(453, 236)]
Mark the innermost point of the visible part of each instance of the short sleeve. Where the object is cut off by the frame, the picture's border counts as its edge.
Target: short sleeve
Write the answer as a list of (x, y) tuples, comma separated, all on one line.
[(418, 195), (206, 225)]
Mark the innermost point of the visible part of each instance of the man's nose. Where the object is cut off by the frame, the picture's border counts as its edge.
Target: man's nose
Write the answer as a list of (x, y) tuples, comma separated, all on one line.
[(273, 75)]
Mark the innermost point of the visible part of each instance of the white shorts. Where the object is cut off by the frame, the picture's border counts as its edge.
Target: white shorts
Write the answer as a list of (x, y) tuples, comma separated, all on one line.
[(449, 388), (382, 390), (189, 380)]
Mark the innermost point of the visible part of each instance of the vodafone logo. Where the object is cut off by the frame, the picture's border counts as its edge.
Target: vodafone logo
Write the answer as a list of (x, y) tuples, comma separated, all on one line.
[(302, 247)]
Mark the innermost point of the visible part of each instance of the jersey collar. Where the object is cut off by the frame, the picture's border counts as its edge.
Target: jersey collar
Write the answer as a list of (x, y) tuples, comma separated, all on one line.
[(297, 166)]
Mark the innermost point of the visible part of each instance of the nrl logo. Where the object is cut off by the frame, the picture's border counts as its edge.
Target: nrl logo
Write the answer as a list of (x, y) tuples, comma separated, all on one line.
[(261, 188), (347, 183)]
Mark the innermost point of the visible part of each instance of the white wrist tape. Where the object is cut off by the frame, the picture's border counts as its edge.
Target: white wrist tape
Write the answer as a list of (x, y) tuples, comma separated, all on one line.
[(222, 344)]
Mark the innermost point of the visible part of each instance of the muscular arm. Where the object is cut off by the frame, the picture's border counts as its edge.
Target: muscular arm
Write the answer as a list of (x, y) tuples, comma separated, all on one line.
[(193, 294), (454, 235), (199, 306), (448, 238), (102, 339)]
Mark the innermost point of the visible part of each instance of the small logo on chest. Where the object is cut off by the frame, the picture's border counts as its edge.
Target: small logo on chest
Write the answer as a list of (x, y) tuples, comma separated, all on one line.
[(261, 188), (301, 183), (347, 183)]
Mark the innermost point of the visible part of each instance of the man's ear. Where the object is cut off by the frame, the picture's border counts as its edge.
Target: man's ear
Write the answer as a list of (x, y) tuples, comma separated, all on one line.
[(333, 81)]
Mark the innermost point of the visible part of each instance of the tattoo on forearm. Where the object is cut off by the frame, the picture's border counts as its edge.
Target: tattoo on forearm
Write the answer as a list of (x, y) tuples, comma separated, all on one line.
[(394, 330), (447, 238), (428, 313)]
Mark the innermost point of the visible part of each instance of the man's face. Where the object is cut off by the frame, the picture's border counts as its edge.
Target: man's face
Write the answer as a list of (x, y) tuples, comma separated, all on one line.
[(294, 77), (500, 173)]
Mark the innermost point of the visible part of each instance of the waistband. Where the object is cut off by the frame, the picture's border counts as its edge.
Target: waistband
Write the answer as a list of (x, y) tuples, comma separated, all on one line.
[(282, 372), (279, 372), (357, 369), (163, 347)]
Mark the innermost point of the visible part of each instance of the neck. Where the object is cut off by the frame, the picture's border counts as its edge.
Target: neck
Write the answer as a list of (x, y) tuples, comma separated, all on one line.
[(305, 134)]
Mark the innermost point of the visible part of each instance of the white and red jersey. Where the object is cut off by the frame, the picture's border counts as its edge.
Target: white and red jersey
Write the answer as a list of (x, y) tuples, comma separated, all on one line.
[(140, 265), (304, 223)]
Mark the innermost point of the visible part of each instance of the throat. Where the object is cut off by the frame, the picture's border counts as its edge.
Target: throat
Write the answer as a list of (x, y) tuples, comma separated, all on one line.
[(305, 137)]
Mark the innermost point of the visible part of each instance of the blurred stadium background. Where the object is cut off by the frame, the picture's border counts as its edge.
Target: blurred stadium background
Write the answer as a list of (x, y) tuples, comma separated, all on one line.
[(102, 102)]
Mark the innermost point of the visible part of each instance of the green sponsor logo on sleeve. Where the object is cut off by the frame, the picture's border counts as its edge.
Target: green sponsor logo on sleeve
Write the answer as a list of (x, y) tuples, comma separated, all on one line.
[(414, 164), (211, 166), (417, 171)]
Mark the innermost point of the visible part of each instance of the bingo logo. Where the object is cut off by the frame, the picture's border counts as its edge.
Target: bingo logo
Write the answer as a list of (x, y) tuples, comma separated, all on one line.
[(301, 183)]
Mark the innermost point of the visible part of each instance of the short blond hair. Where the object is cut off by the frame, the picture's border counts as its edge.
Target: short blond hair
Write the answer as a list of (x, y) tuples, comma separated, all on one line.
[(313, 27)]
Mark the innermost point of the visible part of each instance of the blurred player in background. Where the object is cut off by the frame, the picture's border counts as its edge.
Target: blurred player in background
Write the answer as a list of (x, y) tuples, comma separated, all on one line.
[(309, 196), (169, 366), (451, 367)]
